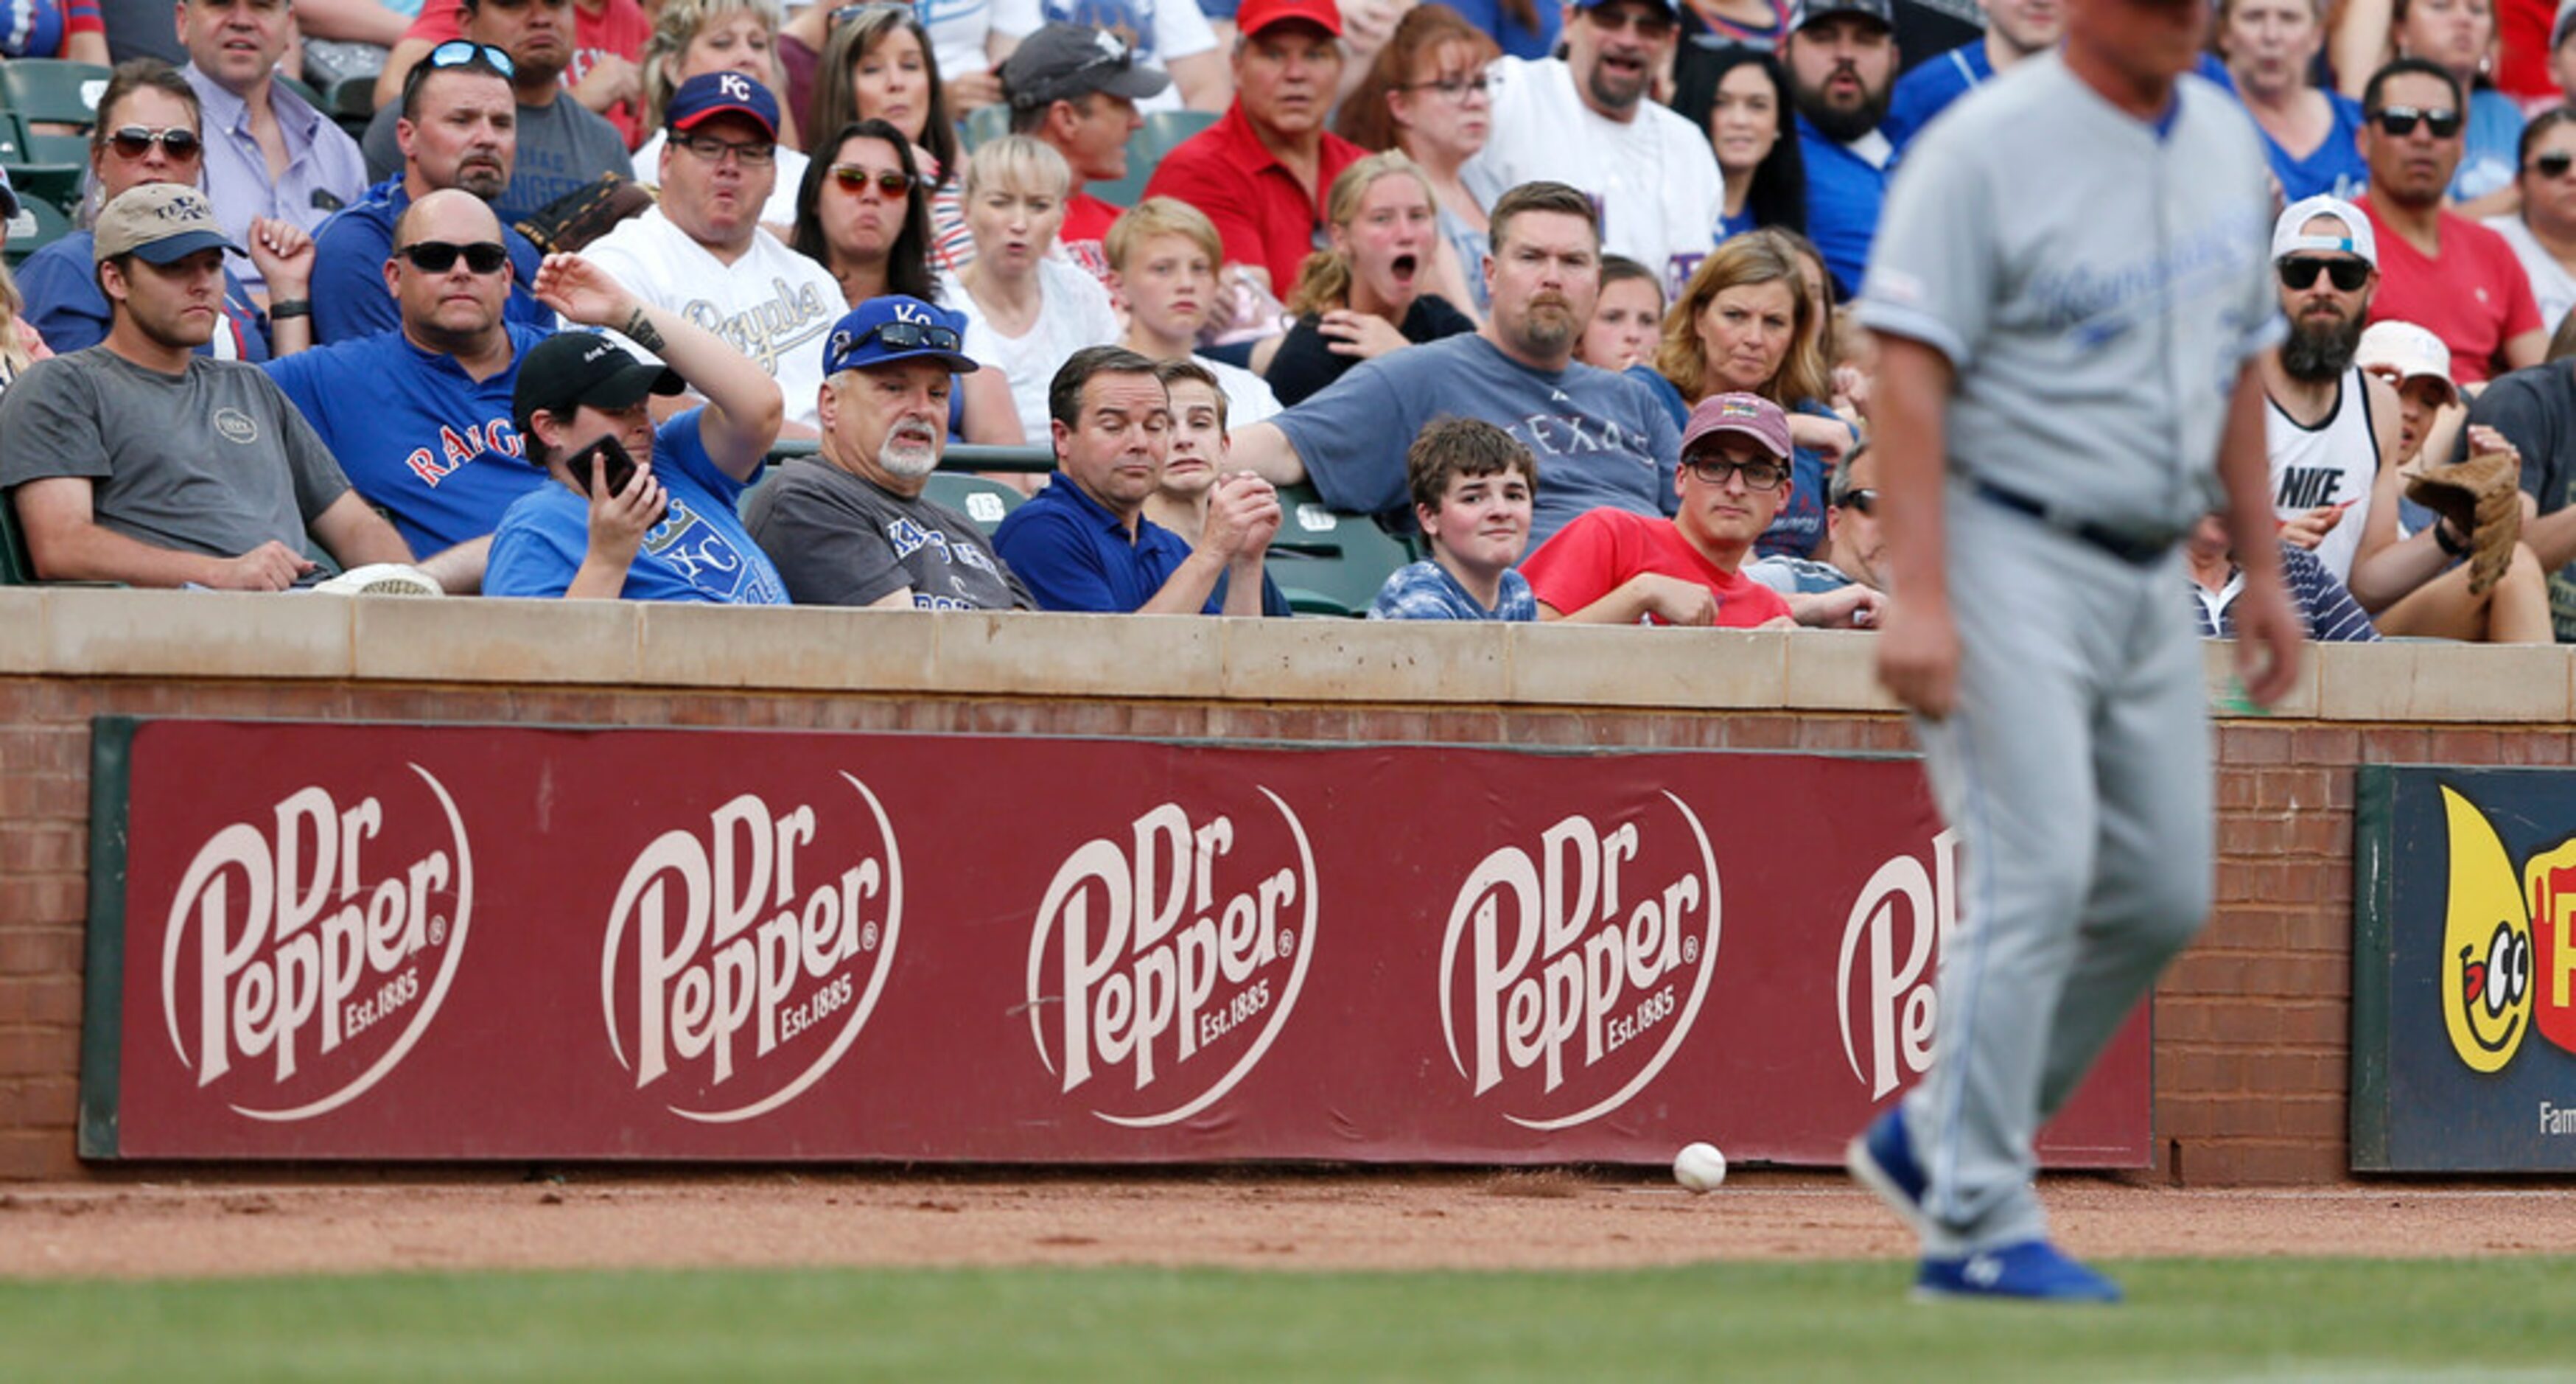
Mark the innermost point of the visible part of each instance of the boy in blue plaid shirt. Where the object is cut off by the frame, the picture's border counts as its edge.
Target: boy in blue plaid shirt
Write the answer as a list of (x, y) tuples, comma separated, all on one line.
[(1473, 488)]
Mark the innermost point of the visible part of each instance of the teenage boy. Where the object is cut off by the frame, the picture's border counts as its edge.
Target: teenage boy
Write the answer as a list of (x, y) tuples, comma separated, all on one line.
[(1163, 256), (1195, 460), (1473, 490)]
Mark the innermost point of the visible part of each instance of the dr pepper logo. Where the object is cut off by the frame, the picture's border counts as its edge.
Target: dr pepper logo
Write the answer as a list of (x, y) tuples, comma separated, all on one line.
[(745, 950), (1166, 957), (1892, 944), (309, 949), (1569, 976)]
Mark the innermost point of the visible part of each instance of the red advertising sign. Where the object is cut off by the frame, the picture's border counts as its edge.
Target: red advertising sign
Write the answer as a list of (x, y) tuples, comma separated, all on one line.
[(436, 942)]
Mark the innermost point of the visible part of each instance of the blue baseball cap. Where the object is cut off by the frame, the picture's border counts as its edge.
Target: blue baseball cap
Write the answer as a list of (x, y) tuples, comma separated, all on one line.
[(883, 330), (711, 94)]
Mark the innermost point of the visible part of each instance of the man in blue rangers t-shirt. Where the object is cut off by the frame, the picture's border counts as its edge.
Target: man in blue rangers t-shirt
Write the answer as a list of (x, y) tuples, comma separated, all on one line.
[(1600, 439), (670, 532)]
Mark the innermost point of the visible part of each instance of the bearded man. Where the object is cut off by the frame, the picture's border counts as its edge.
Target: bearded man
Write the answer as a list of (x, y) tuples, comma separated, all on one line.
[(1842, 59)]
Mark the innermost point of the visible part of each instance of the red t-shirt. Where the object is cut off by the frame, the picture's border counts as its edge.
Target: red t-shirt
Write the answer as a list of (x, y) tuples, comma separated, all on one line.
[(2475, 297), (1264, 216), (1590, 557), (612, 26), (2522, 61), (1086, 225)]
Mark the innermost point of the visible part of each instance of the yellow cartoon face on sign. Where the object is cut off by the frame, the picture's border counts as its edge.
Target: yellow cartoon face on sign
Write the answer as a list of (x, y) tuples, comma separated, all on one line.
[(2486, 944)]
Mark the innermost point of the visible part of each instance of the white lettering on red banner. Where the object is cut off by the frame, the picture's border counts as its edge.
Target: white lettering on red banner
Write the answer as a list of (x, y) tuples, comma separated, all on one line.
[(1900, 925)]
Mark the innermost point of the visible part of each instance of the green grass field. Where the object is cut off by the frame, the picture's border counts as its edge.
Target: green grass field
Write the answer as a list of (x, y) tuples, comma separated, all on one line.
[(2188, 1319)]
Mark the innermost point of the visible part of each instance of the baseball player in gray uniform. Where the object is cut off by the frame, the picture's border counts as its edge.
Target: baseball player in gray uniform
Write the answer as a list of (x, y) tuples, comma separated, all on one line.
[(2070, 285)]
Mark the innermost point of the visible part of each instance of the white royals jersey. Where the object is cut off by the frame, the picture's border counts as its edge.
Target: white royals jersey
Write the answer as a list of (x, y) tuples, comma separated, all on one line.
[(773, 305)]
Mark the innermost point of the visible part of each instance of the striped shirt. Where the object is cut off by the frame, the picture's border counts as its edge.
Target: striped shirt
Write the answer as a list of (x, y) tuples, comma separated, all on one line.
[(2331, 613)]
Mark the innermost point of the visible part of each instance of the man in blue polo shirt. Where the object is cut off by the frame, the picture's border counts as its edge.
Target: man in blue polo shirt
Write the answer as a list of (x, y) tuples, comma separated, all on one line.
[(1842, 61), (420, 417), (459, 128), (1084, 543), (669, 532)]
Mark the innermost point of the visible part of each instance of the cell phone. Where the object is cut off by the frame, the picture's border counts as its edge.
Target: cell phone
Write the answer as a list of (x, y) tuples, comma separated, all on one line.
[(602, 462)]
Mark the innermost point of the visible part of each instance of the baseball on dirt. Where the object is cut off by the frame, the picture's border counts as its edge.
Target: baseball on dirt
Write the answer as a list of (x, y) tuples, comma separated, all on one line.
[(1700, 1167)]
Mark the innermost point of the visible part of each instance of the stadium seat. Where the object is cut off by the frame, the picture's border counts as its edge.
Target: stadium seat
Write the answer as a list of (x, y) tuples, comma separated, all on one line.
[(1328, 562), (351, 102), (1162, 133), (984, 501), (39, 223), (53, 91), (311, 97), (984, 124)]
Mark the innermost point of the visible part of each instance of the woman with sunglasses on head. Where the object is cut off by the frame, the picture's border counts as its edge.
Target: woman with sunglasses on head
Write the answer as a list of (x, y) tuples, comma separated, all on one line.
[(1740, 98), (2543, 233), (880, 66), (863, 213), (691, 37), (1026, 311), (147, 132), (1427, 95)]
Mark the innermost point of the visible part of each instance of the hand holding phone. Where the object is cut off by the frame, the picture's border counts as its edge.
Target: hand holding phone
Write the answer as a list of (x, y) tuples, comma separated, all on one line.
[(603, 467)]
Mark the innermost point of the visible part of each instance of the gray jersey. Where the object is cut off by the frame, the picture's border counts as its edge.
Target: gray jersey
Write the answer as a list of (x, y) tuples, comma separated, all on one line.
[(214, 461), (837, 540), (2085, 323)]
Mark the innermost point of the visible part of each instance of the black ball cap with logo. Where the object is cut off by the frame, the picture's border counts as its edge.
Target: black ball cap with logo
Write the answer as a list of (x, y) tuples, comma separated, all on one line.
[(567, 370)]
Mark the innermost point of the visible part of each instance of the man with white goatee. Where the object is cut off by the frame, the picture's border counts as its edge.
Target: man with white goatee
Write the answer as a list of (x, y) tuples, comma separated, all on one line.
[(851, 526)]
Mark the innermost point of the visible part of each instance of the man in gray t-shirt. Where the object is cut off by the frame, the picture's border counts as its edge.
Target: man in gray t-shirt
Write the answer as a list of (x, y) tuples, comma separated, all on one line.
[(852, 528), (138, 461), (1600, 439), (563, 145)]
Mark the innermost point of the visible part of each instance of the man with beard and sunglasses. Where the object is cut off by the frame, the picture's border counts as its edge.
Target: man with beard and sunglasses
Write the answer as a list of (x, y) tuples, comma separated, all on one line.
[(2437, 268), (1590, 120), (458, 129), (850, 526), (1600, 438), (1842, 61)]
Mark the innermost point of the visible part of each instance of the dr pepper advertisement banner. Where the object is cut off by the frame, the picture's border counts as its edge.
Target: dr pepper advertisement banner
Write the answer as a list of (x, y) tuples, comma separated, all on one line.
[(2464, 970), (497, 942)]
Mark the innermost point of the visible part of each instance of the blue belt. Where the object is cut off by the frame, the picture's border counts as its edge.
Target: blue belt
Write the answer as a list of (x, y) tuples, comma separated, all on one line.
[(2141, 550)]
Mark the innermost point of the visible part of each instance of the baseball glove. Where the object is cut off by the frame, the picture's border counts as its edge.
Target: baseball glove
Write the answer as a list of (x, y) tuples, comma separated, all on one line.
[(586, 213), (2482, 497)]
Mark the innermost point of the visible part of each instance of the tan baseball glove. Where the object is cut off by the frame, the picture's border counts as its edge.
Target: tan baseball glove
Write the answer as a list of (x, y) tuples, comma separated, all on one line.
[(2482, 497)]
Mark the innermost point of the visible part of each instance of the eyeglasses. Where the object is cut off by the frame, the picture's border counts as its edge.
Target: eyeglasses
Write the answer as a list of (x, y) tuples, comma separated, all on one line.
[(854, 179), (1649, 24), (2400, 120), (2300, 272), (465, 52), (846, 13), (1758, 475), (750, 154), (134, 142), (1458, 88), (2554, 164), (905, 336), (439, 256), (1865, 500)]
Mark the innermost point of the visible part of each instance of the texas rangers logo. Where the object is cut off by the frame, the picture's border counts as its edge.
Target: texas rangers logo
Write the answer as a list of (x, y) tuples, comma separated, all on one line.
[(1570, 977)]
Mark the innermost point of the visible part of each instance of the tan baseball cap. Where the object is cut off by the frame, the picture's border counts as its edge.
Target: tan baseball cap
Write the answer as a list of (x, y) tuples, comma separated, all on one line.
[(162, 222), (2410, 351)]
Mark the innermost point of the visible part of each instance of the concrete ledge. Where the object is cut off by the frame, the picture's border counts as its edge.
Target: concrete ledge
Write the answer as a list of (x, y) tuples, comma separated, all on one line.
[(95, 632)]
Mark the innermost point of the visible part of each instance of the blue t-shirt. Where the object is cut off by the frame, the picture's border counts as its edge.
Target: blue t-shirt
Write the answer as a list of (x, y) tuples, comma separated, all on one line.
[(2492, 153), (412, 430), (350, 299), (2332, 169), (1073, 554), (60, 284), (698, 552), (1600, 439), (1844, 194), (1799, 528), (1929, 89), (1516, 40), (1426, 591)]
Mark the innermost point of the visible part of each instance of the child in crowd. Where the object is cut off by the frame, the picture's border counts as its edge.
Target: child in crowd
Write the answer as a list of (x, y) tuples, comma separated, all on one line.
[(1195, 462), (1472, 492), (1628, 321), (1163, 256)]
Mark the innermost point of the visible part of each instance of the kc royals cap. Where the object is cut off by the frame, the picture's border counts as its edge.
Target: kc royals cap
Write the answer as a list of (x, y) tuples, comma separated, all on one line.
[(2411, 352), (161, 222), (1748, 414), (883, 330), (2290, 234), (1806, 12), (1257, 15), (711, 94), (1066, 62), (569, 369)]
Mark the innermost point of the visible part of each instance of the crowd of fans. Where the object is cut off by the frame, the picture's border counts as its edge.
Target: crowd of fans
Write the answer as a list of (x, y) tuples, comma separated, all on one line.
[(1556, 293)]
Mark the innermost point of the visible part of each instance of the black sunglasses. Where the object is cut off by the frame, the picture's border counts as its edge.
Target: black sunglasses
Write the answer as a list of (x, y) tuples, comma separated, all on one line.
[(2299, 271), (439, 256), (1758, 475), (134, 141), (905, 336), (1865, 500), (2400, 120), (2554, 164), (890, 182)]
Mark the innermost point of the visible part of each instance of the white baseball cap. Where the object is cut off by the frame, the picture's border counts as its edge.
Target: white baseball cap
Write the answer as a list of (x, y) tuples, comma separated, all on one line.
[(2412, 351), (2290, 233)]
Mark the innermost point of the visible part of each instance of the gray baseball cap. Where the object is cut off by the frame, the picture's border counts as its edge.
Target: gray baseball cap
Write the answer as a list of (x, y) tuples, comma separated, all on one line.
[(1806, 12), (161, 222), (1066, 62)]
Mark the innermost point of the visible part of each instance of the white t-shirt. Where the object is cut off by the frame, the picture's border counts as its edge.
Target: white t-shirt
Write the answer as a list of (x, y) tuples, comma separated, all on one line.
[(779, 210), (1654, 177), (773, 305), (1073, 312), (959, 30), (2550, 282), (1248, 399), (1156, 30)]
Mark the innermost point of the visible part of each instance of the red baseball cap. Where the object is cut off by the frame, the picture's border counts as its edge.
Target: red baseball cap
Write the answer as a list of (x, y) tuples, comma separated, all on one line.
[(1257, 15), (1747, 415)]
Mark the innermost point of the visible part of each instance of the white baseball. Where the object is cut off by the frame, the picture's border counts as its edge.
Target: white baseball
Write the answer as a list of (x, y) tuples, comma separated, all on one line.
[(1699, 1167)]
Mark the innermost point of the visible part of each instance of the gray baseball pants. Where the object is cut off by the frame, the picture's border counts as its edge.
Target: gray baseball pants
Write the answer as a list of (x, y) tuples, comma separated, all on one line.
[(2077, 769)]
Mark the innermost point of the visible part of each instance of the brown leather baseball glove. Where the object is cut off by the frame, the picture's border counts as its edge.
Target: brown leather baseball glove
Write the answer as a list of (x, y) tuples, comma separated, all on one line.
[(586, 213), (2482, 497)]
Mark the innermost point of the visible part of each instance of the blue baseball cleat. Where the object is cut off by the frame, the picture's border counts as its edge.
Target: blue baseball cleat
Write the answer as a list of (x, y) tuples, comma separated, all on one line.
[(2032, 1271), (1881, 1158)]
